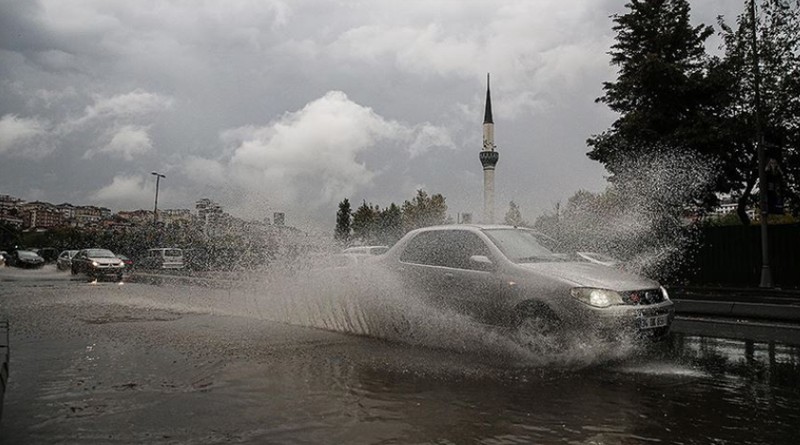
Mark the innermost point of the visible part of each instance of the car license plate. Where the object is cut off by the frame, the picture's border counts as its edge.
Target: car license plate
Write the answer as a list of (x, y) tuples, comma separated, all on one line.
[(653, 322)]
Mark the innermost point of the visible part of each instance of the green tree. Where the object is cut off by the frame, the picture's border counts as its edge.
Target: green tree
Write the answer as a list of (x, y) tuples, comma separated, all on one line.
[(424, 211), (778, 45), (365, 223), (513, 215), (661, 92), (342, 232), (391, 224)]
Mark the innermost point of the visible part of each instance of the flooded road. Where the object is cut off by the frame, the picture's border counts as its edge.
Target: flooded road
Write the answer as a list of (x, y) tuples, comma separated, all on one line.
[(135, 363)]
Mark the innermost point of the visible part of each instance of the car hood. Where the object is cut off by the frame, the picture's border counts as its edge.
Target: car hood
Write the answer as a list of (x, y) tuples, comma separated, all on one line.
[(591, 275)]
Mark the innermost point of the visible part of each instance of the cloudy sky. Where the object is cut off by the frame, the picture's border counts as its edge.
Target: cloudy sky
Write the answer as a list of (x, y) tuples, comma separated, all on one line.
[(273, 105)]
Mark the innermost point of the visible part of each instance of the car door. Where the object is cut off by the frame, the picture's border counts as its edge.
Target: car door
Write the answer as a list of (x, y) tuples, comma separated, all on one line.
[(437, 264), (78, 260), (419, 266), (470, 287)]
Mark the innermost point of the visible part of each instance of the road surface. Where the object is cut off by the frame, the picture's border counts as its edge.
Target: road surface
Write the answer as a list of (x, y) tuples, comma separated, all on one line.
[(137, 363)]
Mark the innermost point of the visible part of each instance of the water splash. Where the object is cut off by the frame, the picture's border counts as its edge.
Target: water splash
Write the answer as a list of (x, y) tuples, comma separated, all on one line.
[(641, 217), (370, 301)]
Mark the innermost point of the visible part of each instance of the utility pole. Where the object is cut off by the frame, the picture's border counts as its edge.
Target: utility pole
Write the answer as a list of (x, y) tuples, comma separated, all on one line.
[(155, 206), (766, 273)]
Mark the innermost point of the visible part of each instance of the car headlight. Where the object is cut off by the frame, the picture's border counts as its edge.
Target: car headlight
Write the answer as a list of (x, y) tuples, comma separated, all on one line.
[(95, 263), (664, 293), (597, 297)]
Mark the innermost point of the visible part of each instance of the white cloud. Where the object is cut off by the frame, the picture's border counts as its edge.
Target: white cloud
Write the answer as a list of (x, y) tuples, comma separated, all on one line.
[(312, 157), (137, 103), (24, 137), (430, 136), (125, 191), (125, 142), (205, 171)]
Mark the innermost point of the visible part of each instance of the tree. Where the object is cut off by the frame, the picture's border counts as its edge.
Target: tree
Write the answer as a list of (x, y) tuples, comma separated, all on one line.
[(424, 211), (342, 232), (513, 215), (391, 224), (365, 223), (662, 93), (778, 46)]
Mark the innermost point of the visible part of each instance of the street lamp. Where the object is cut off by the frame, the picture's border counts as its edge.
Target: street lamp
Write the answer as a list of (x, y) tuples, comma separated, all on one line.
[(155, 207)]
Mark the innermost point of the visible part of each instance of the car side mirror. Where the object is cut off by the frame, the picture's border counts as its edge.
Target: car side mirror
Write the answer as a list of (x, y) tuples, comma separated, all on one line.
[(481, 262)]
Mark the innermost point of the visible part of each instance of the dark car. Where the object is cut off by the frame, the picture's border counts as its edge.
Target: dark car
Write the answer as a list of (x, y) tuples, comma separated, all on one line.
[(25, 259), (49, 254), (97, 263), (504, 275)]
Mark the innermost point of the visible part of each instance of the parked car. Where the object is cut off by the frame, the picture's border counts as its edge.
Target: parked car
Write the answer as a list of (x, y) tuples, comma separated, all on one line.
[(97, 263), (50, 254), (3, 258), (162, 258), (367, 250), (64, 260), (25, 258), (504, 275)]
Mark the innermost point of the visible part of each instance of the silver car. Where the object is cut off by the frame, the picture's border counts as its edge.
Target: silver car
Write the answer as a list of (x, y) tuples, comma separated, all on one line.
[(64, 260), (503, 275), (97, 263)]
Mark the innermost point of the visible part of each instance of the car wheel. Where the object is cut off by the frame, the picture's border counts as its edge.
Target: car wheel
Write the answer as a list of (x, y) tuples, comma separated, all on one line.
[(119, 277), (538, 328), (538, 324)]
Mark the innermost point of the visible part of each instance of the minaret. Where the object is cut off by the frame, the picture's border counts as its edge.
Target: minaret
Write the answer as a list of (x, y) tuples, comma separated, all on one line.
[(488, 157)]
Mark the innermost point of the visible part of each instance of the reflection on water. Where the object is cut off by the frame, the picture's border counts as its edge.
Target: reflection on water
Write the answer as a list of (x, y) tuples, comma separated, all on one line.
[(141, 364)]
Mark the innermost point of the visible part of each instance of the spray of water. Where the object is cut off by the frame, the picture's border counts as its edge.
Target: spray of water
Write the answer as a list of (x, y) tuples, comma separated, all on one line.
[(641, 217), (368, 300), (638, 219)]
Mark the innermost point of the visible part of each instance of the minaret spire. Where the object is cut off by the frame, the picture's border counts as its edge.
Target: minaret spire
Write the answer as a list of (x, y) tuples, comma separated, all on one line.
[(487, 115), (489, 157)]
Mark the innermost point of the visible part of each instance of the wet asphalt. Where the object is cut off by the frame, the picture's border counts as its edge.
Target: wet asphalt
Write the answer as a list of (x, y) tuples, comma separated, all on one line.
[(139, 363)]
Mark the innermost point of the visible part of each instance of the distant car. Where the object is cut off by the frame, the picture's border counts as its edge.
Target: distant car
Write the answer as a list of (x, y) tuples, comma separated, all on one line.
[(504, 275), (97, 263), (26, 259), (162, 258), (64, 260), (367, 250), (3, 258)]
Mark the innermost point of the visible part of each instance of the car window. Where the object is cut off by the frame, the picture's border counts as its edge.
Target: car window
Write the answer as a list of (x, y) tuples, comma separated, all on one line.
[(446, 248), (423, 249), (522, 246)]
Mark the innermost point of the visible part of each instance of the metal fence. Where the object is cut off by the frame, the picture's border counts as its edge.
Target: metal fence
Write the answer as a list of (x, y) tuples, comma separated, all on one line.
[(731, 256)]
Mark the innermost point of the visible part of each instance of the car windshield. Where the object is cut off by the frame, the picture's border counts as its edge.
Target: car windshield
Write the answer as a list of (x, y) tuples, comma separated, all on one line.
[(26, 254), (522, 246), (100, 253)]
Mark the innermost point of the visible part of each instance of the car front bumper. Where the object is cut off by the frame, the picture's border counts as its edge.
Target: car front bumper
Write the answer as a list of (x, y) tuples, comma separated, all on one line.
[(652, 320)]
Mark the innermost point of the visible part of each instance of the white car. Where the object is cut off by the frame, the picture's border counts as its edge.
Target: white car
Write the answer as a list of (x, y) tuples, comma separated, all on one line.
[(504, 275), (64, 260)]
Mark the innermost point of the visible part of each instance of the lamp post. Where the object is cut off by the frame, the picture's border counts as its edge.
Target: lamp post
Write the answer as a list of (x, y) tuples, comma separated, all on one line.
[(766, 273), (155, 206)]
